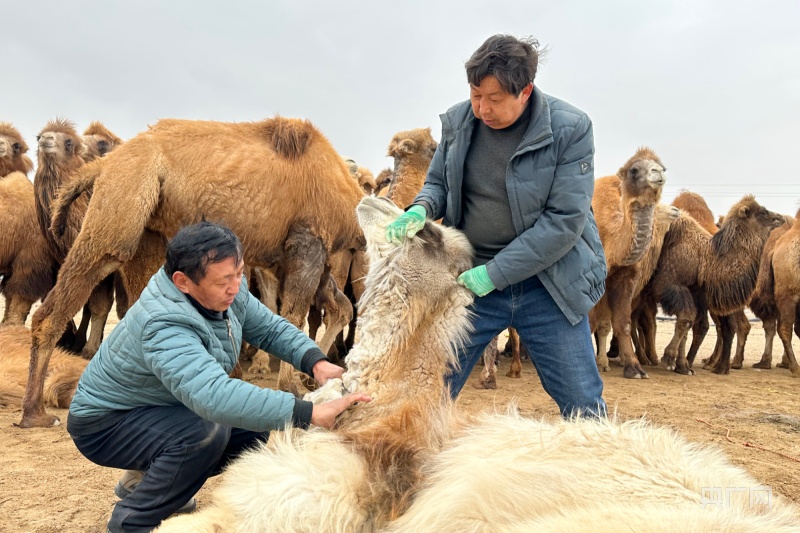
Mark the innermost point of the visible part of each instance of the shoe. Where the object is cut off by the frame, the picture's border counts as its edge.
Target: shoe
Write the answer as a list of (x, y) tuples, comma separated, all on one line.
[(131, 479)]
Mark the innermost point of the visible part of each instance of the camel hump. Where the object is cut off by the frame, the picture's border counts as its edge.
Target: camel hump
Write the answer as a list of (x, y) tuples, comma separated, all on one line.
[(289, 137)]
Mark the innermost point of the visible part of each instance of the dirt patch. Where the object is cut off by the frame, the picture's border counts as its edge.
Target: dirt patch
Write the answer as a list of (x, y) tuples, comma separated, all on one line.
[(753, 416)]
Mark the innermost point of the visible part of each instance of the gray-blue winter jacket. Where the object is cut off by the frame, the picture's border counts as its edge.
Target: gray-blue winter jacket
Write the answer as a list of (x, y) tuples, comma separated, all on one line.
[(550, 181), (164, 352)]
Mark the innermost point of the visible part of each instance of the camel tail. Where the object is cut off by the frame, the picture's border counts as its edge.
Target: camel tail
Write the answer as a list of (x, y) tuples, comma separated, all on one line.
[(83, 182), (290, 138)]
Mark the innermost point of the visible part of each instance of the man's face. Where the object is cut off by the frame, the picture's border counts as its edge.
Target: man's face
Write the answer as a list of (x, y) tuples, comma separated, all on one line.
[(495, 107), (217, 289)]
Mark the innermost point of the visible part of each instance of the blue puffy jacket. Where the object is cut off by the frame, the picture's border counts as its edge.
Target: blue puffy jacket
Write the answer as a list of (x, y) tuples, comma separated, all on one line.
[(550, 181), (164, 352)]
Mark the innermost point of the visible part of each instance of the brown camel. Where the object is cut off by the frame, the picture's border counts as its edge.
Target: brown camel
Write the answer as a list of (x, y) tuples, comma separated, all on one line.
[(277, 183), (786, 275), (412, 151), (62, 376), (98, 141), (26, 265), (13, 151), (762, 302), (624, 206), (382, 181), (60, 155), (698, 273)]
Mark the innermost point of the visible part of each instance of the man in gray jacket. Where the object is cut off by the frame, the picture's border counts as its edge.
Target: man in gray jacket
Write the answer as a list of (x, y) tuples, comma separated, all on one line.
[(515, 172), (157, 397)]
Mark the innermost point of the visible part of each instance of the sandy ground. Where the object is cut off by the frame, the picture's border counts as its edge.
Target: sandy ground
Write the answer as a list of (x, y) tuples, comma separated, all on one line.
[(47, 486)]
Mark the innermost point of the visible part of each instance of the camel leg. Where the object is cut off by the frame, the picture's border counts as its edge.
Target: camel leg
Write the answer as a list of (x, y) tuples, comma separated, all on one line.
[(516, 364), (303, 266), (770, 328), (716, 354), (120, 296), (601, 314), (17, 309), (620, 299), (647, 321), (359, 267), (699, 332), (268, 288), (742, 331), (787, 306), (338, 311), (100, 303), (728, 328), (73, 287), (314, 321), (488, 378)]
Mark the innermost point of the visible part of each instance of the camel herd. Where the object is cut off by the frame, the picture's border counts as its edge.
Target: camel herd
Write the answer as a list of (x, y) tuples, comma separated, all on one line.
[(93, 225)]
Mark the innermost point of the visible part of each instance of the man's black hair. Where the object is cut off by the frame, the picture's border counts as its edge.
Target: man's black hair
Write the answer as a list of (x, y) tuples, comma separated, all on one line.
[(512, 61), (194, 247)]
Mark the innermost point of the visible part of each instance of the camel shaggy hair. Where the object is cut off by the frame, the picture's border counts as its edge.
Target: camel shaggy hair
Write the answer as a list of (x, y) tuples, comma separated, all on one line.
[(27, 267), (413, 314), (538, 472), (716, 273), (624, 206), (13, 150), (278, 184), (98, 141), (412, 151), (62, 376)]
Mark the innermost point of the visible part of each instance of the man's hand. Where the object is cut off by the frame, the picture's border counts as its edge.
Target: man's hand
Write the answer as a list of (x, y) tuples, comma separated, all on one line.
[(324, 414), (406, 225), (324, 370), (477, 280)]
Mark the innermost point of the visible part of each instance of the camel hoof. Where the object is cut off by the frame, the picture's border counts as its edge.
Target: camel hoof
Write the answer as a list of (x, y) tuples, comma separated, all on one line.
[(632, 372), (705, 360), (736, 366), (603, 368), (684, 371), (489, 384), (39, 420), (722, 371), (782, 365), (512, 374), (764, 365)]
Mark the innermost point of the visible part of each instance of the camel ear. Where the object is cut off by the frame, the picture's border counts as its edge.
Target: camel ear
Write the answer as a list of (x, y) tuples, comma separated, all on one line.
[(407, 146), (744, 211)]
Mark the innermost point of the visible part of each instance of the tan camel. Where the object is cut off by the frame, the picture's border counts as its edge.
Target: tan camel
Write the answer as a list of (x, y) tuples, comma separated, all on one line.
[(382, 181), (413, 313), (62, 377), (13, 151), (762, 303), (98, 141), (278, 184), (786, 273), (60, 156), (26, 265), (412, 151), (624, 207), (410, 462), (723, 268)]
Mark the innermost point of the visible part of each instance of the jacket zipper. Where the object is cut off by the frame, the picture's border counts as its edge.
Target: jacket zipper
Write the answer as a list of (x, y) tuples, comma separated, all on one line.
[(230, 336)]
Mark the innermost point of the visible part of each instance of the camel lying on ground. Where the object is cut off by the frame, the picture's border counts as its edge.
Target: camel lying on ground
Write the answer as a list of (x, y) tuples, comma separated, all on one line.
[(409, 462), (62, 376), (278, 184), (27, 267)]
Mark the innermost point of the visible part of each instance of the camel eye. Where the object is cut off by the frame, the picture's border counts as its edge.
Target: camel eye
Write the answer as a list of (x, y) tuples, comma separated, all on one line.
[(38, 137), (15, 147), (68, 144)]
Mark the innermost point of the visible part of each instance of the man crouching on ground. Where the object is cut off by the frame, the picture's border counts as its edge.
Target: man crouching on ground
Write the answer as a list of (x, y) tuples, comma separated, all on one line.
[(157, 397)]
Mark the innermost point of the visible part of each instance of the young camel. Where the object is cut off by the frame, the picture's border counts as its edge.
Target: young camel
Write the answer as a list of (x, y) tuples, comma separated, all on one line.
[(624, 206), (278, 184), (409, 462), (698, 273), (13, 151)]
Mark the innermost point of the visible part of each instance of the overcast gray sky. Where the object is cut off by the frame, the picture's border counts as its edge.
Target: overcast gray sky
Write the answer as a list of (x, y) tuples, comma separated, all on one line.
[(712, 86)]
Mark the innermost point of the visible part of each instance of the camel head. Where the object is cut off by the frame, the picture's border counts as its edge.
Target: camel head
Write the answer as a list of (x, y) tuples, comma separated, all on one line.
[(12, 151), (747, 221), (98, 141), (642, 178), (383, 179), (417, 142), (427, 265), (60, 145), (363, 176)]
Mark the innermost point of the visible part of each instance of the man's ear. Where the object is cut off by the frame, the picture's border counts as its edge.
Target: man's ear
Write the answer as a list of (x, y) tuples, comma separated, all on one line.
[(181, 281)]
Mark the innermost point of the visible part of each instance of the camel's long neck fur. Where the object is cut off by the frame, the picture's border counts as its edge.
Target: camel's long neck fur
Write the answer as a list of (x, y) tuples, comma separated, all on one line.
[(409, 175), (636, 229), (51, 173), (731, 275)]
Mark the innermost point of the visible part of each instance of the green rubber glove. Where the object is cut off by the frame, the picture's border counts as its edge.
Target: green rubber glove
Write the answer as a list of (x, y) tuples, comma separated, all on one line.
[(406, 225), (477, 280)]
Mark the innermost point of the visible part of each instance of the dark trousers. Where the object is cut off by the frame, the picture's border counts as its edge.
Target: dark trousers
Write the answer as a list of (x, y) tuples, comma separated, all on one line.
[(177, 449)]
